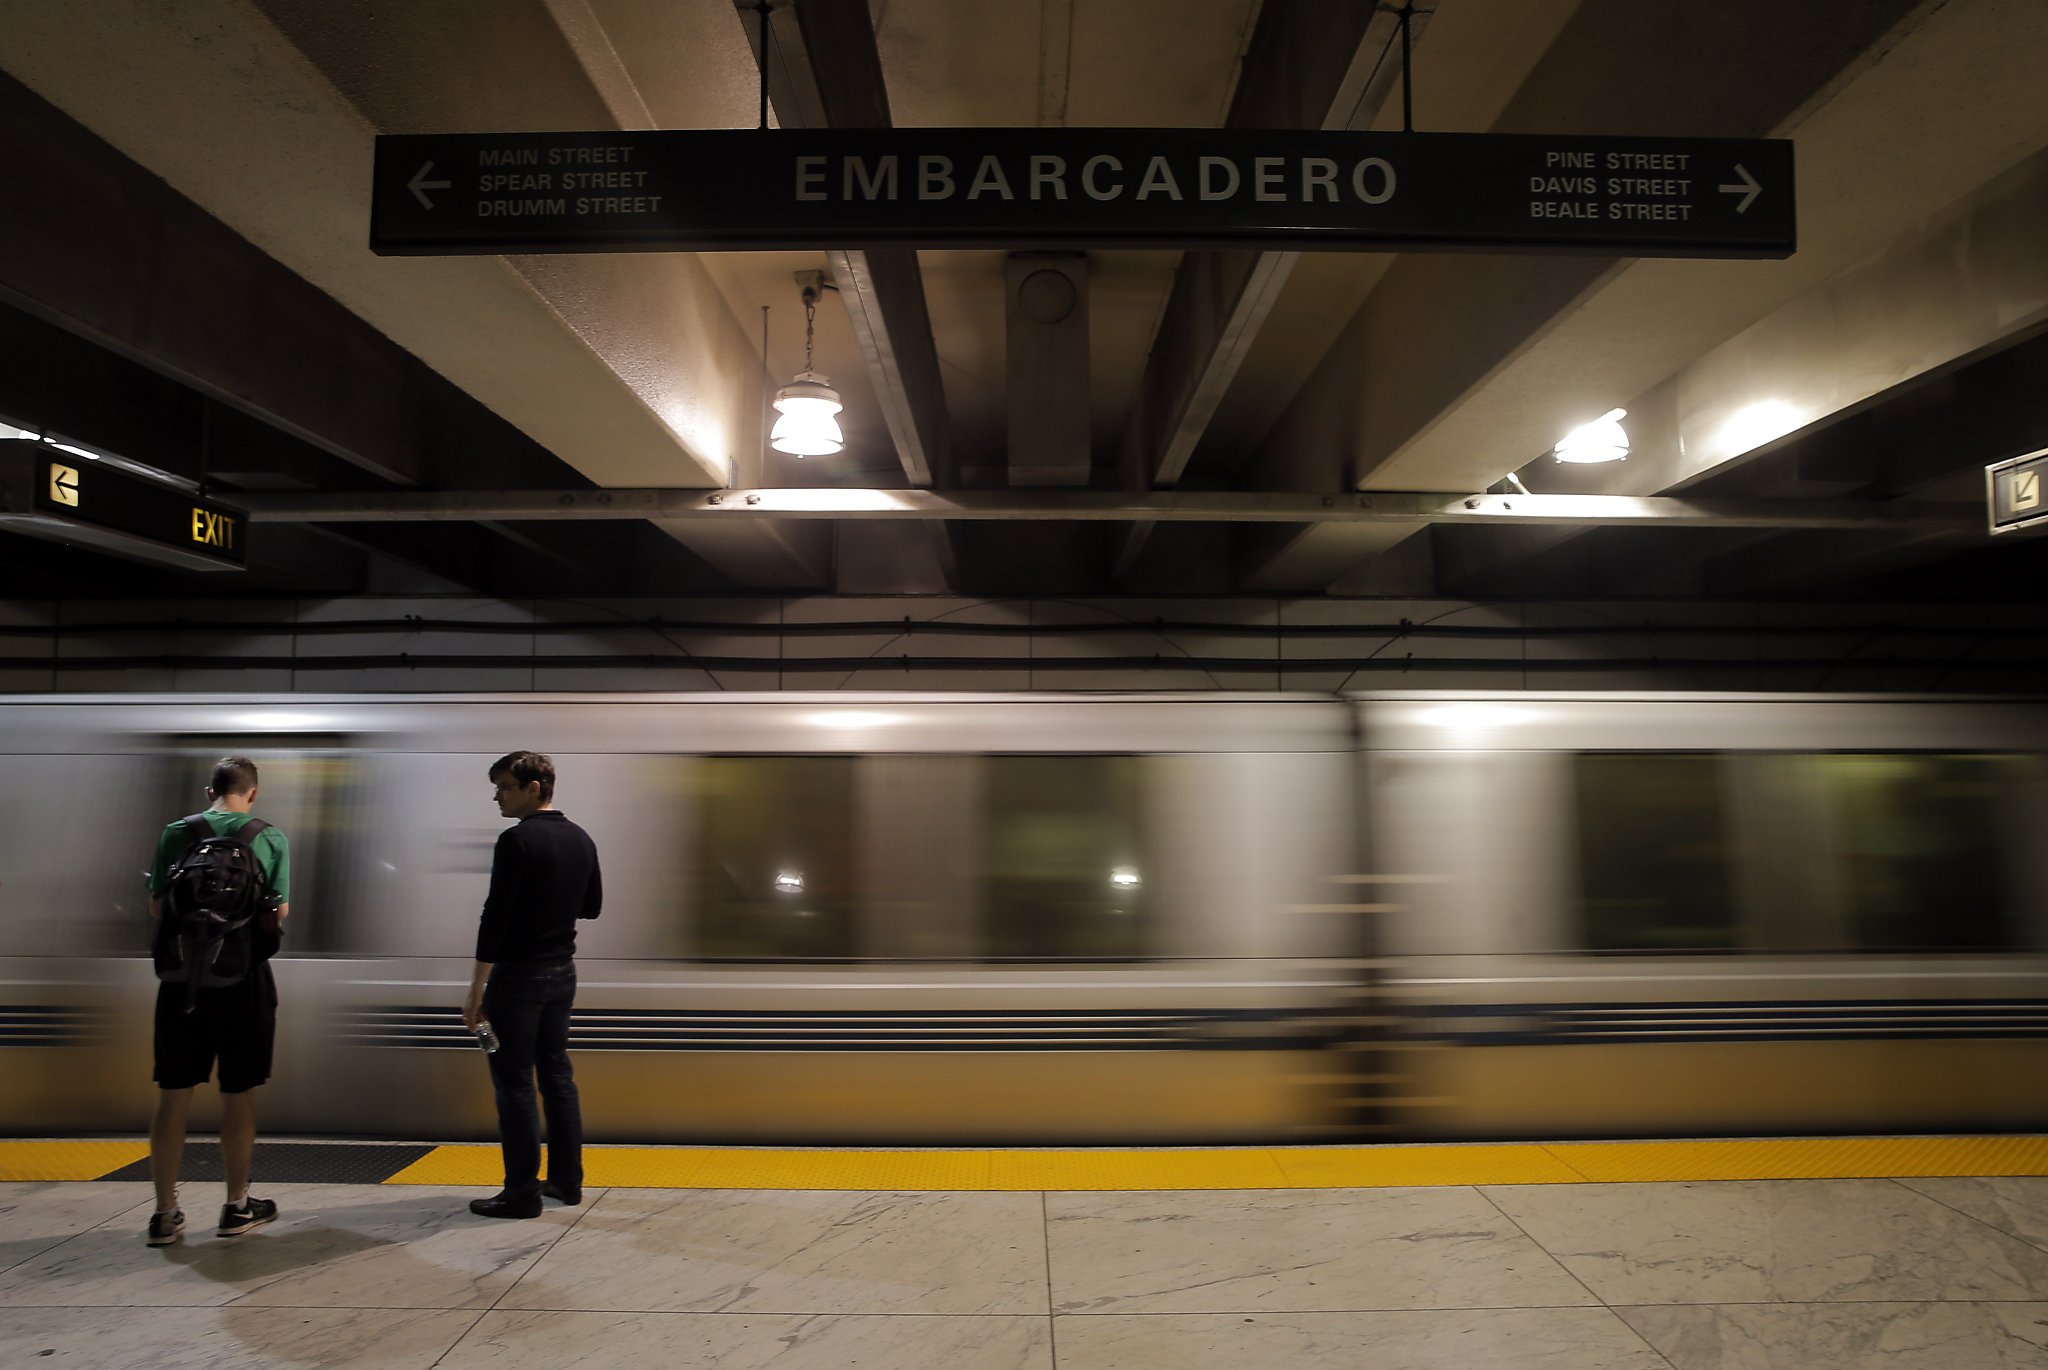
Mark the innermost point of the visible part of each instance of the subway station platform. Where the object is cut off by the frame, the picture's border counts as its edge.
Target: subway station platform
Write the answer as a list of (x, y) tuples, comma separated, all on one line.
[(1908, 1253)]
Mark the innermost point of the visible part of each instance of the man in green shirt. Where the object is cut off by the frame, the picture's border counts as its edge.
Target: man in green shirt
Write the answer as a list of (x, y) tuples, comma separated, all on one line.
[(236, 1023)]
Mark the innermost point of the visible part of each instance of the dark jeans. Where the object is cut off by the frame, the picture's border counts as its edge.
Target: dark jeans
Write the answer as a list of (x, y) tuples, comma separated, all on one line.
[(529, 1008)]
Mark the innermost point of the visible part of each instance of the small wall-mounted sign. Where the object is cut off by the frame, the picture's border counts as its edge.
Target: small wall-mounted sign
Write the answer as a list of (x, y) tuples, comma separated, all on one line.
[(2014, 491), (49, 493)]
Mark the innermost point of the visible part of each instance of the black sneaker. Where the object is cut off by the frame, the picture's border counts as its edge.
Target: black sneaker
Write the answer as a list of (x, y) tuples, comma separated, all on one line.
[(568, 1194), (246, 1216), (165, 1228)]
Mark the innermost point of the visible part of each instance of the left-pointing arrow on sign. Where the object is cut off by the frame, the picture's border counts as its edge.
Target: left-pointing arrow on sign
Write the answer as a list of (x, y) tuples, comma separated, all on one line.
[(63, 485), (419, 185)]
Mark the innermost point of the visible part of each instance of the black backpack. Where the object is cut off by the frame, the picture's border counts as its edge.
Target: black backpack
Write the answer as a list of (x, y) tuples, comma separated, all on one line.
[(213, 895)]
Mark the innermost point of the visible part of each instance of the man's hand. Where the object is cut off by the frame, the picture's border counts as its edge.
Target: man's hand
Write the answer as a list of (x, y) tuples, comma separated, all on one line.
[(473, 1007)]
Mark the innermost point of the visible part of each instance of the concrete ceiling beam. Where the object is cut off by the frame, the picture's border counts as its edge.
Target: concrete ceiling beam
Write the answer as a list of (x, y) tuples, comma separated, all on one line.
[(1313, 66), (242, 372), (1968, 282), (1459, 370), (824, 71), (263, 114), (104, 249), (1308, 66), (1380, 507)]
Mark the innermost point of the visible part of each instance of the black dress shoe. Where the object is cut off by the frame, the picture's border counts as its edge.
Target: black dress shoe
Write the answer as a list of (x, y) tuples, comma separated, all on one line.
[(571, 1197), (503, 1205)]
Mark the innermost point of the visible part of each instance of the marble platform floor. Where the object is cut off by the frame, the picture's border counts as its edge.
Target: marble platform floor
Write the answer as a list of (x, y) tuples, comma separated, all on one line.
[(1941, 1274)]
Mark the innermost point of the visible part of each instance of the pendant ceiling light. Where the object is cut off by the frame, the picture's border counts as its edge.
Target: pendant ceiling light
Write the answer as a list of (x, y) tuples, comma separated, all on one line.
[(1604, 439), (807, 404)]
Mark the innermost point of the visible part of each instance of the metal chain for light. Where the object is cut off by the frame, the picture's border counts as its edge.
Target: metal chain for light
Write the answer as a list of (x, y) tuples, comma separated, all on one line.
[(807, 404), (810, 321)]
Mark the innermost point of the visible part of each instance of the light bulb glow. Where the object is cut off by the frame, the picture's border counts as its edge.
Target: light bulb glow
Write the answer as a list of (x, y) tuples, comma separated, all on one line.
[(1473, 717), (851, 719), (1604, 439), (282, 722), (1753, 425), (807, 428)]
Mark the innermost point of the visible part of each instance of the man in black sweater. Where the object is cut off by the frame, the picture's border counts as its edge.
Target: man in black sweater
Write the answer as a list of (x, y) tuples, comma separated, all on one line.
[(544, 877)]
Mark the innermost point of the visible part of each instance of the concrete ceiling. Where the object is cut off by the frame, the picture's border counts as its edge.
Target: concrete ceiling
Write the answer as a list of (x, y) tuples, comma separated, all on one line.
[(1914, 123)]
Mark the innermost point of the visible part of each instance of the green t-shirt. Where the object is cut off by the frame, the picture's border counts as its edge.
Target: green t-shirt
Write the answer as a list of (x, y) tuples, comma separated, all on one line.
[(272, 852)]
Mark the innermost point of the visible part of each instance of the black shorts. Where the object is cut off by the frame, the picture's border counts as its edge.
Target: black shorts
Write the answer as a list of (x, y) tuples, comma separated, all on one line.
[(237, 1024)]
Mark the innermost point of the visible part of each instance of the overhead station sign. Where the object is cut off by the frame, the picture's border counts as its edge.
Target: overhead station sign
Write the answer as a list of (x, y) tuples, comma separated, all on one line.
[(1283, 190), (48, 492), (2017, 491)]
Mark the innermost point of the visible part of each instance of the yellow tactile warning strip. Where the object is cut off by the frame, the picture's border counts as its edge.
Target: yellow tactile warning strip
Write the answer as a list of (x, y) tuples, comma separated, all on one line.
[(1818, 1158), (462, 1165), (1306, 1167), (66, 1160), (1318, 1167)]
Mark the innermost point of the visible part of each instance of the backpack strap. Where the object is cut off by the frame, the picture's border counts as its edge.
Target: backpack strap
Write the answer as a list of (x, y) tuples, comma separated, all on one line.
[(201, 829), (248, 833)]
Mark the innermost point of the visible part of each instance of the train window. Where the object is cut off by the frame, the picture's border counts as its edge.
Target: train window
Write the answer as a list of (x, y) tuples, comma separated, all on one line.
[(1063, 870), (1653, 853), (775, 872), (1923, 863), (74, 856)]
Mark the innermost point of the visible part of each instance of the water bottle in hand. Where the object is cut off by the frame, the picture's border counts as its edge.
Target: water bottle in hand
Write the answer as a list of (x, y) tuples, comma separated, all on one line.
[(486, 1037)]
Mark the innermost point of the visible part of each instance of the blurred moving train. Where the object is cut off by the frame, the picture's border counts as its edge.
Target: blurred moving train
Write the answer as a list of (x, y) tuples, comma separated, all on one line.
[(1030, 919)]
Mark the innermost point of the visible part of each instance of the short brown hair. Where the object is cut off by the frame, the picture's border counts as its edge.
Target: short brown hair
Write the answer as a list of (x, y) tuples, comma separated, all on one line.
[(233, 775), (525, 768)]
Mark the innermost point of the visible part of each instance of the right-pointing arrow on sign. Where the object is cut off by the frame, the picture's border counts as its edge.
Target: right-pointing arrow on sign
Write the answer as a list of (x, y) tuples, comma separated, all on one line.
[(419, 185), (1747, 187)]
